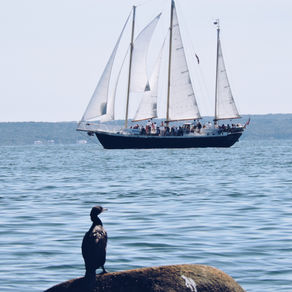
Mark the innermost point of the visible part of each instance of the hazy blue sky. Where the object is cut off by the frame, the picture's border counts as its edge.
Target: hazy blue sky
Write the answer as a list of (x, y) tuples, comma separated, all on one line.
[(52, 52)]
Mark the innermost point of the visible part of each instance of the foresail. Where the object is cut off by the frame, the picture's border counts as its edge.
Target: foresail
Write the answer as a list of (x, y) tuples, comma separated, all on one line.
[(148, 106), (182, 101), (139, 67), (101, 104), (225, 105)]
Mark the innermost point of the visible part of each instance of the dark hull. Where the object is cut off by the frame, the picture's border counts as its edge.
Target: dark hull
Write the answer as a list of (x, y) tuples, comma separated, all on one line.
[(120, 141)]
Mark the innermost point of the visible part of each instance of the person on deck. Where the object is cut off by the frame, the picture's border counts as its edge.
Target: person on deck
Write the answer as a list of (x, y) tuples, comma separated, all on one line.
[(143, 131), (199, 126), (166, 131), (158, 131), (180, 131), (153, 128), (172, 131)]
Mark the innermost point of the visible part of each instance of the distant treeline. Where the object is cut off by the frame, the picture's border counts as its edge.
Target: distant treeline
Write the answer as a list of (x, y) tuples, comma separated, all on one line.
[(271, 126)]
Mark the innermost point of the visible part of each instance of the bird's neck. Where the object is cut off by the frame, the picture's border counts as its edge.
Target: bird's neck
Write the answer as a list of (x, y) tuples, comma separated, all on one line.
[(96, 221)]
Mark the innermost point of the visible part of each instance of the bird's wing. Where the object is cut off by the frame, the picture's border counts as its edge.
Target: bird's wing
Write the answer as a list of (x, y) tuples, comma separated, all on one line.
[(94, 241), (99, 237)]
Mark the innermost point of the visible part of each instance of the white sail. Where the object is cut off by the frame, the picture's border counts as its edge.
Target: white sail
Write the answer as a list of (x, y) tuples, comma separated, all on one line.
[(101, 105), (225, 107), (139, 69), (148, 105), (182, 101)]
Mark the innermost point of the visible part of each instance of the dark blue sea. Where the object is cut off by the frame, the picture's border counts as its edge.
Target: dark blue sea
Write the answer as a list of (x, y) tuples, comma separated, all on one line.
[(227, 208)]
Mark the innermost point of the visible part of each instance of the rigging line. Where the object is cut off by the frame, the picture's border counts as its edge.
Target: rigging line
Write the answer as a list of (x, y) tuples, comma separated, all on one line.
[(164, 40), (204, 89)]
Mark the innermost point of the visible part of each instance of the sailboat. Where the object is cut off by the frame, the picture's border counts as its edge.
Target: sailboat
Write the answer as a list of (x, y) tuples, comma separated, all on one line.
[(181, 104)]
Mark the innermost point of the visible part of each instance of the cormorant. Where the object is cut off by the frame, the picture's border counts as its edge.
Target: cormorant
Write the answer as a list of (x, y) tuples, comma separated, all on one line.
[(94, 244)]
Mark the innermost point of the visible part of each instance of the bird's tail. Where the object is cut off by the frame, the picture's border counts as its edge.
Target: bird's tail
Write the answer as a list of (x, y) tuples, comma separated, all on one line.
[(90, 275)]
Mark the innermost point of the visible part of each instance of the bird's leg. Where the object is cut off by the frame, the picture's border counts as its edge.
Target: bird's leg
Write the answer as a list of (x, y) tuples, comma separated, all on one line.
[(104, 271)]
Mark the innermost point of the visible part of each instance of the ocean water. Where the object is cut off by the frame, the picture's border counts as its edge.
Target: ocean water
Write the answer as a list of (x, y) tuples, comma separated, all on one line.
[(227, 208)]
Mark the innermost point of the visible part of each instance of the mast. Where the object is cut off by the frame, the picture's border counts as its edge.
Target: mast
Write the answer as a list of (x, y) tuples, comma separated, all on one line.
[(169, 60), (217, 62), (130, 66)]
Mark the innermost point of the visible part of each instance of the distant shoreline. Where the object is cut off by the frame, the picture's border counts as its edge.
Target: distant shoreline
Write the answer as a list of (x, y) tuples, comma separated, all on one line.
[(268, 126)]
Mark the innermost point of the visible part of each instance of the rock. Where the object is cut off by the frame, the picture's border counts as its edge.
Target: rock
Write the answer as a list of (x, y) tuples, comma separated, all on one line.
[(176, 278)]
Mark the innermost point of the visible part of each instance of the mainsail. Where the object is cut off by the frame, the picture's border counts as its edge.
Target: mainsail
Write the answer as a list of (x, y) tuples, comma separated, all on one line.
[(225, 107), (182, 101), (139, 76), (101, 104)]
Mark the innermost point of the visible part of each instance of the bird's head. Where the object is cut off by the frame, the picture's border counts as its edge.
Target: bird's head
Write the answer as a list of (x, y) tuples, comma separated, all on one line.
[(95, 211)]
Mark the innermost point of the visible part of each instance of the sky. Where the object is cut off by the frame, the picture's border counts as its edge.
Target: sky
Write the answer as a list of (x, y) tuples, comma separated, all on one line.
[(52, 52)]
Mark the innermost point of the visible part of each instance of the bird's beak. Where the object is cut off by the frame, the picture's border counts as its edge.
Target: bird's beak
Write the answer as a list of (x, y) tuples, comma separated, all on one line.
[(104, 209)]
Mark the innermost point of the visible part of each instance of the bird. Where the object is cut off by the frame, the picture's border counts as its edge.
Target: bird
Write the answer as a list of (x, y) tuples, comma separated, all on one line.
[(94, 244)]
